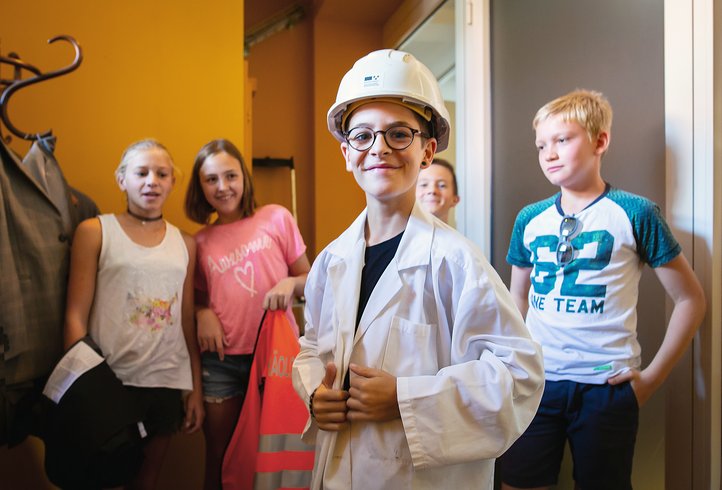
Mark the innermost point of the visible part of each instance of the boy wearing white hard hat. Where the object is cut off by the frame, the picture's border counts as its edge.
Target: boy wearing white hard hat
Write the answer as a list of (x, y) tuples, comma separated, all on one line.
[(416, 366)]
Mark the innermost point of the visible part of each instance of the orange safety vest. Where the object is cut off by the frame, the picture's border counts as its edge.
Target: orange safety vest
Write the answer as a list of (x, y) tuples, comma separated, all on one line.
[(266, 451)]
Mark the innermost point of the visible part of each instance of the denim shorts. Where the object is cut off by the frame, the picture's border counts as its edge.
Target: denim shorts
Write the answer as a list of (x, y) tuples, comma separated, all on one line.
[(599, 421), (225, 379)]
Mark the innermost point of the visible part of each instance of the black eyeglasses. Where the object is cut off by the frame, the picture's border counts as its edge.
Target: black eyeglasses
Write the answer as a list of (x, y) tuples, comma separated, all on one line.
[(397, 137), (565, 249)]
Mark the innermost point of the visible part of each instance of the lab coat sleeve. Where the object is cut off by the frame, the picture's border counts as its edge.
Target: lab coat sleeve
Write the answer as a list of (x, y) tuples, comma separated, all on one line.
[(308, 367), (478, 405)]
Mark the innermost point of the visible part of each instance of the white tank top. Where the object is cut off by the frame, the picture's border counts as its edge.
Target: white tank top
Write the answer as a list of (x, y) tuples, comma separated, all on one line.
[(136, 313)]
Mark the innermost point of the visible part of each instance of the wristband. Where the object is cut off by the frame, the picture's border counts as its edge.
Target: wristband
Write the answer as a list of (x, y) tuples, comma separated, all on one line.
[(310, 404)]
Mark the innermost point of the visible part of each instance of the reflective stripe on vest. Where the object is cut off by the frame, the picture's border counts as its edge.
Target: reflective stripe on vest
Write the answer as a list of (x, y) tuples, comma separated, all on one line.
[(284, 461), (282, 480)]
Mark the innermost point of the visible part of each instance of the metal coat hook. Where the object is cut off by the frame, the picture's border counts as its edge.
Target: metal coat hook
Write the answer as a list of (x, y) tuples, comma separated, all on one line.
[(15, 86), (14, 60)]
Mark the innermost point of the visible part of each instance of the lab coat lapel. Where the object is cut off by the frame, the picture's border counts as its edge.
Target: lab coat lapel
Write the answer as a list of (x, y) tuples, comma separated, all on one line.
[(414, 251), (345, 277), (386, 289)]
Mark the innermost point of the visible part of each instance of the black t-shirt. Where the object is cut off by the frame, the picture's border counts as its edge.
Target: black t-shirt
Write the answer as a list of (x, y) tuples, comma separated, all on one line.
[(376, 259)]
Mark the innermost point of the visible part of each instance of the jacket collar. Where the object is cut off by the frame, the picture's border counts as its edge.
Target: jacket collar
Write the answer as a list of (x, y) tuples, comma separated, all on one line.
[(345, 274), (414, 248)]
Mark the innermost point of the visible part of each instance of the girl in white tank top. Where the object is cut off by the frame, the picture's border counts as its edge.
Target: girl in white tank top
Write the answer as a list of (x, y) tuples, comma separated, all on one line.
[(131, 290)]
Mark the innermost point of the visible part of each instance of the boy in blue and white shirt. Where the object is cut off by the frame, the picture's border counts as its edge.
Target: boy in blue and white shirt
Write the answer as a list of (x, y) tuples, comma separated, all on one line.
[(576, 262)]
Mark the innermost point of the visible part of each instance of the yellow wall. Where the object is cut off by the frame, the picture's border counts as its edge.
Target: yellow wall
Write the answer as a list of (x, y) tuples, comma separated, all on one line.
[(167, 69), (338, 198), (153, 68), (282, 69)]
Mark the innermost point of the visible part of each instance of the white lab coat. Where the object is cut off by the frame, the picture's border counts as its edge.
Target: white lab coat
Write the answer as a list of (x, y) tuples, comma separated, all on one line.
[(469, 377)]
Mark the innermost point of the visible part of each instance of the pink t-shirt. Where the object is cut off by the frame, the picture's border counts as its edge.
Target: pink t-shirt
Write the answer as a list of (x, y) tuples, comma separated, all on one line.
[(238, 263)]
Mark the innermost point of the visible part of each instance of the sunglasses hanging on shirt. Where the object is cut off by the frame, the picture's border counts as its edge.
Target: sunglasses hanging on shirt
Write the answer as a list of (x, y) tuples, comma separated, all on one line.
[(565, 249)]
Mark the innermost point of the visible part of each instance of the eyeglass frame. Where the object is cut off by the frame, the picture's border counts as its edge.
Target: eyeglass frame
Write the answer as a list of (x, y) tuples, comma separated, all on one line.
[(414, 132), (565, 239)]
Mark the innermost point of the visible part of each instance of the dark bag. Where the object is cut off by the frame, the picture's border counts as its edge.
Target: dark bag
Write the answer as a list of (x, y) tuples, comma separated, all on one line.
[(95, 434)]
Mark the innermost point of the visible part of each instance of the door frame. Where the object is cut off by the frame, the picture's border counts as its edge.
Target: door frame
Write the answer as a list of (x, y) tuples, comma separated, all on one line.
[(473, 121), (693, 110), (693, 210)]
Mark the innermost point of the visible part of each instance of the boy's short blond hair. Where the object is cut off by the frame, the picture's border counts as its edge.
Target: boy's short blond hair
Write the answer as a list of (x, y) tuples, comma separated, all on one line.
[(590, 109)]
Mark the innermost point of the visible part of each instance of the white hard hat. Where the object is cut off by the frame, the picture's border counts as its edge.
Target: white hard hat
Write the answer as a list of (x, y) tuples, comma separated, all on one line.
[(388, 73)]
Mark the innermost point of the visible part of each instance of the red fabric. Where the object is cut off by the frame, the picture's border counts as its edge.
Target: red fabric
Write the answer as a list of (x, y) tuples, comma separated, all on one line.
[(277, 410)]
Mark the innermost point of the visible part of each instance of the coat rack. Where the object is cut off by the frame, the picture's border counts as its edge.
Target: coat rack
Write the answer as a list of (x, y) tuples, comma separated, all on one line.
[(17, 83)]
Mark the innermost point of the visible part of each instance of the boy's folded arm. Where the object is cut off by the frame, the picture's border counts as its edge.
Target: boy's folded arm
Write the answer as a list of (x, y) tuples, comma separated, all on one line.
[(479, 404), (471, 411), (683, 287), (308, 370)]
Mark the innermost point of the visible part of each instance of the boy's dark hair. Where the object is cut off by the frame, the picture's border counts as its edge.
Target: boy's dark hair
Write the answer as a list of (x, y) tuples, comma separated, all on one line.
[(450, 168), (426, 127), (197, 206)]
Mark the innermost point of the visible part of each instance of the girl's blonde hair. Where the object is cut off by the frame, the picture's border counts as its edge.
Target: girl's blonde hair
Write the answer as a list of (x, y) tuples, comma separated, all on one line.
[(137, 147), (590, 109)]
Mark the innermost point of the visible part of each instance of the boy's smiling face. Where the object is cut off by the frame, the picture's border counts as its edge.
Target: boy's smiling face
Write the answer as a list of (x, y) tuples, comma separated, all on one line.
[(382, 172), (566, 155), (435, 191)]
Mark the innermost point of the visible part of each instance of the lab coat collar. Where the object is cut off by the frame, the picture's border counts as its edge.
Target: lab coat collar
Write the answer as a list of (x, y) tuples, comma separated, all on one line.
[(345, 272), (414, 248), (344, 246)]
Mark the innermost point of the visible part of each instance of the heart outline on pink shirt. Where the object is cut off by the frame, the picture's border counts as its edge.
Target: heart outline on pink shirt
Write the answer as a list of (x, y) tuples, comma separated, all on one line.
[(244, 270)]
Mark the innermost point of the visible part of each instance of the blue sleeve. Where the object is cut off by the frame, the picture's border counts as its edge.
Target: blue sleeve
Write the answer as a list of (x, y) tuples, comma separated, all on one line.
[(656, 244), (518, 255)]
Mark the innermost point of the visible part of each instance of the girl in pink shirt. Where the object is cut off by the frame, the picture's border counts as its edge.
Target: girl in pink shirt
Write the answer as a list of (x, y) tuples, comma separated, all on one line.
[(248, 259)]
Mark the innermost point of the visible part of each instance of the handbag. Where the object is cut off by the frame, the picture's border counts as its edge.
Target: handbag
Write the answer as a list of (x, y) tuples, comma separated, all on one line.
[(94, 435)]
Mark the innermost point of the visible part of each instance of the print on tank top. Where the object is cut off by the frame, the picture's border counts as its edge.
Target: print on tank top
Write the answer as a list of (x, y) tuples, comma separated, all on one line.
[(151, 314), (152, 303)]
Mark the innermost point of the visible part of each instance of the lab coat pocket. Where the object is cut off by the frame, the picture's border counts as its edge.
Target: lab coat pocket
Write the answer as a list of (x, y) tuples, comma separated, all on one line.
[(410, 349)]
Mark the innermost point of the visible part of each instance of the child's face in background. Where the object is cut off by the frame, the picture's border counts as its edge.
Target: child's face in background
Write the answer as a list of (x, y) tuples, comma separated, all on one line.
[(382, 172), (147, 181), (435, 191), (222, 183), (566, 155)]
